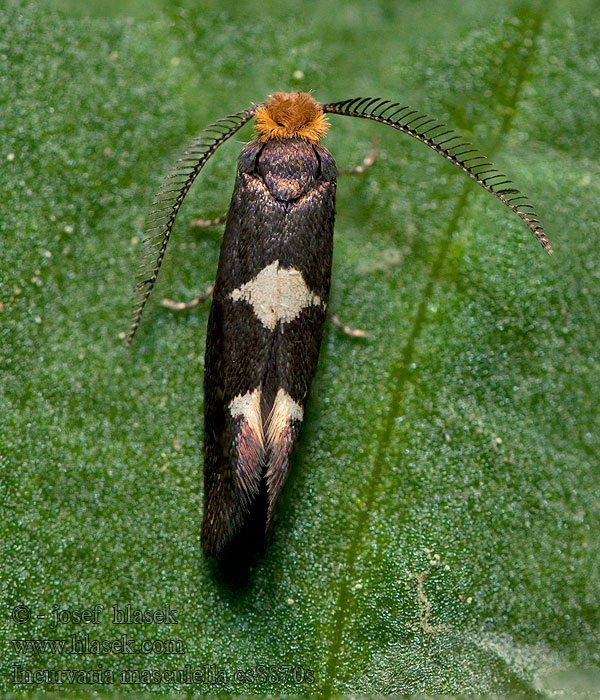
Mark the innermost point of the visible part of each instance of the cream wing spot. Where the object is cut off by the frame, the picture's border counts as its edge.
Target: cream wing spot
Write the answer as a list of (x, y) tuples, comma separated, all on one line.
[(248, 444), (248, 407), (261, 293), (276, 294), (284, 410), (294, 295)]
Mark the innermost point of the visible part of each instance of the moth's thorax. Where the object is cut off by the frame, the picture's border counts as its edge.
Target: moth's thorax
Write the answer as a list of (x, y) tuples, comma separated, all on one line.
[(288, 167), (290, 115)]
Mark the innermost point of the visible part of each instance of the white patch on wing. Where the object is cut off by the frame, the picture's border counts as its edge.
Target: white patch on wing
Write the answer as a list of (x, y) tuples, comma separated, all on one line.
[(276, 294), (248, 406), (284, 410)]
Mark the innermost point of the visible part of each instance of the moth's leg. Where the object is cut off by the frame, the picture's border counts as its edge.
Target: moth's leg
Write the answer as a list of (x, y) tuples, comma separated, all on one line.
[(184, 305), (352, 332), (367, 162), (205, 223)]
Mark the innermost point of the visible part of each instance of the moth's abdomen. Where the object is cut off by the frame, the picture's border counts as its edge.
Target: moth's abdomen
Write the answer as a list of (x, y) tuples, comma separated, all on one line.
[(264, 332)]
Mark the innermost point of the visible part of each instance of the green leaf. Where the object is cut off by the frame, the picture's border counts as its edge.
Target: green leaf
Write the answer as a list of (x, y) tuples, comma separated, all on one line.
[(440, 532)]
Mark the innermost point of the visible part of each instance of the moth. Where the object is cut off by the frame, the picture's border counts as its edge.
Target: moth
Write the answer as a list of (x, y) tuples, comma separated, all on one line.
[(272, 286)]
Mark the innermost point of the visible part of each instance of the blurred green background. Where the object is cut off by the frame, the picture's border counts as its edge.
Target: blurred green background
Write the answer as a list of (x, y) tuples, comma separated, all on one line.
[(440, 532)]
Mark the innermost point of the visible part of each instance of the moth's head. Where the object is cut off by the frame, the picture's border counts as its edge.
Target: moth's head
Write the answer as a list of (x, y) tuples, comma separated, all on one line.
[(290, 115)]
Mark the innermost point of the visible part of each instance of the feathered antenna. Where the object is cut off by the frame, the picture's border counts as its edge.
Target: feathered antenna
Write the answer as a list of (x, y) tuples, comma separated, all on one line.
[(447, 144), (169, 199)]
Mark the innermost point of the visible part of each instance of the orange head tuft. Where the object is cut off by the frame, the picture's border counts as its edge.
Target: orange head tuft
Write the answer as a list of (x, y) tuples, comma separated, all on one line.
[(290, 115)]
